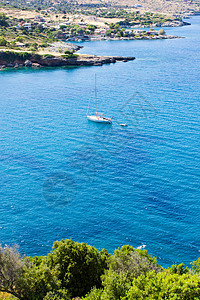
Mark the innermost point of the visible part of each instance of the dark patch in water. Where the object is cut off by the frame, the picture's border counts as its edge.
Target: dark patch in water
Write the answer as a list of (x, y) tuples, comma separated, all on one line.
[(24, 160), (166, 204)]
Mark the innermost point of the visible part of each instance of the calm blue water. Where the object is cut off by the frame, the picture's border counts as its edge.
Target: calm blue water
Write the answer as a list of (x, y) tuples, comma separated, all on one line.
[(64, 177)]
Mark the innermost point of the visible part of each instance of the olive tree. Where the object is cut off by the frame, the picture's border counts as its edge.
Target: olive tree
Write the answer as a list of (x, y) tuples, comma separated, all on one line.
[(25, 278), (11, 271)]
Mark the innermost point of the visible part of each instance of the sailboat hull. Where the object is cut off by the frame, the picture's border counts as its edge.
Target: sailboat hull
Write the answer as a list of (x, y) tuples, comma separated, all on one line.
[(99, 119)]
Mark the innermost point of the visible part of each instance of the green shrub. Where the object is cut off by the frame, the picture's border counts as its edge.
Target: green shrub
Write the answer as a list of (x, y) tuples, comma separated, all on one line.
[(19, 39), (69, 55), (161, 32), (34, 45), (37, 56), (48, 56), (165, 286), (3, 41), (3, 20), (11, 56), (68, 52), (116, 285), (95, 294), (44, 45), (180, 269), (32, 49), (57, 295), (132, 261), (76, 269), (196, 266)]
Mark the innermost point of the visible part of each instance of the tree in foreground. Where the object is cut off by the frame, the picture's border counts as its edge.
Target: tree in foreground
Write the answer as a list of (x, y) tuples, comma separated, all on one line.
[(11, 271), (74, 269), (174, 283), (78, 266), (125, 265), (24, 278)]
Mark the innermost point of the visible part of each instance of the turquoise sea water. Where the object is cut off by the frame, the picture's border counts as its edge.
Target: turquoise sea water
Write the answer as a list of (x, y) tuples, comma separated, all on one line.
[(65, 177)]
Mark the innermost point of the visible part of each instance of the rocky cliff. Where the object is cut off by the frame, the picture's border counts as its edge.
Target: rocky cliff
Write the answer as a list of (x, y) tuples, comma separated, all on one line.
[(59, 61), (80, 60)]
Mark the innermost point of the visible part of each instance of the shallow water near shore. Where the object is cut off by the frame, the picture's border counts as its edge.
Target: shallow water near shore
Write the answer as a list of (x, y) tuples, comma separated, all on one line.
[(65, 177)]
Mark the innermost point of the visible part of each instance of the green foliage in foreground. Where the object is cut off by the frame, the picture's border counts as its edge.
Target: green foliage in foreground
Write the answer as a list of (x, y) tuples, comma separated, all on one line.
[(196, 266), (164, 286), (78, 270), (5, 296), (78, 266), (152, 286)]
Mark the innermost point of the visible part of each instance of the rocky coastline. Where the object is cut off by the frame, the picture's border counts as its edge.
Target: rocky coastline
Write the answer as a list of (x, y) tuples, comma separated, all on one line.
[(62, 46), (171, 23), (59, 61), (80, 60), (146, 37)]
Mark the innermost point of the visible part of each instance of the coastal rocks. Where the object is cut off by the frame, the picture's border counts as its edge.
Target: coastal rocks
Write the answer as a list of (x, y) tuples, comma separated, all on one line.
[(80, 60), (36, 65), (28, 63), (37, 61), (62, 46), (2, 67), (10, 65), (174, 23), (171, 23), (139, 36), (155, 37), (122, 58), (94, 60)]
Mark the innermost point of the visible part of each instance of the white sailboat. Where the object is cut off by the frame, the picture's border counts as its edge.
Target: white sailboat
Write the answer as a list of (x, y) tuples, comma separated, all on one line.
[(98, 118)]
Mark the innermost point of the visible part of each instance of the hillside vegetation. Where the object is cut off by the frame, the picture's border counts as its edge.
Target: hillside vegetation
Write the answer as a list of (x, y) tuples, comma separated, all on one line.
[(92, 6), (35, 34), (79, 271)]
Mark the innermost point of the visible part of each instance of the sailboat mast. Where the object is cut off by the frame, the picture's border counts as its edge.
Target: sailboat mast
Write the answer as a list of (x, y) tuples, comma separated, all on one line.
[(95, 92)]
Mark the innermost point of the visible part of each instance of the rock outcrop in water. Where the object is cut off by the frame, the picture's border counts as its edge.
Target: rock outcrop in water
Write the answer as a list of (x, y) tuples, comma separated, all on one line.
[(81, 60), (59, 61)]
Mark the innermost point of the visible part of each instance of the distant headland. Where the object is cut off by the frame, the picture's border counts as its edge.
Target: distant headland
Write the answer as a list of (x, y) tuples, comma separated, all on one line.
[(38, 36), (36, 30)]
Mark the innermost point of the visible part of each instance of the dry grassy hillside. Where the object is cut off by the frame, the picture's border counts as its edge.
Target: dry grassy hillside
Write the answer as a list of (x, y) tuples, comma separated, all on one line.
[(168, 7), (160, 6)]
